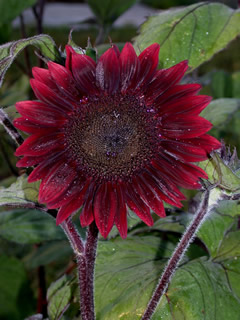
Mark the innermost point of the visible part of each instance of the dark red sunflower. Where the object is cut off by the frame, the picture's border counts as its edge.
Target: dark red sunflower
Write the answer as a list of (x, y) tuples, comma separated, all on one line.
[(113, 135)]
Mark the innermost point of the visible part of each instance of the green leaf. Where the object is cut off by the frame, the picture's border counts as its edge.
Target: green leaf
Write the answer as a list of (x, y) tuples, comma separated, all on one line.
[(59, 295), (10, 50), (53, 251), (195, 33), (220, 219), (12, 8), (20, 193), (236, 84), (219, 172), (10, 94), (107, 11), (15, 298), (202, 290), (220, 111), (126, 273), (230, 246), (29, 226)]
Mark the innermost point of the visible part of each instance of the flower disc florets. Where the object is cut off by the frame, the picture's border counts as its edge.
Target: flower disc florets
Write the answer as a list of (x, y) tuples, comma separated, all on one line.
[(113, 135)]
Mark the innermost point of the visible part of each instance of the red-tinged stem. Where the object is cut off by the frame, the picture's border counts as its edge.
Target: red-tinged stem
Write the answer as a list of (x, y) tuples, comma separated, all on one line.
[(73, 236), (177, 256), (42, 292), (85, 256), (90, 253)]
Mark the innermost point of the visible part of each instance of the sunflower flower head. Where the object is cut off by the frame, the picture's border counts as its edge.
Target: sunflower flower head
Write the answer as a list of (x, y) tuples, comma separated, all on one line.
[(113, 135)]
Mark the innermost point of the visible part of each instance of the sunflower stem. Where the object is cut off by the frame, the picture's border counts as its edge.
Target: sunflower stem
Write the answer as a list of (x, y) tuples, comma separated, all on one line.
[(90, 252), (86, 265), (85, 256), (177, 256)]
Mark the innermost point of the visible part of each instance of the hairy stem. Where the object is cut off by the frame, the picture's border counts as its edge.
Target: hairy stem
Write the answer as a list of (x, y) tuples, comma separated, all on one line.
[(177, 256), (73, 236), (85, 256), (11, 130), (90, 253)]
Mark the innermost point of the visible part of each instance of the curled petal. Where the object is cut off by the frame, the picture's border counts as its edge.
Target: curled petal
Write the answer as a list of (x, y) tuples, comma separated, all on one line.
[(38, 145), (148, 64), (64, 80), (84, 69), (40, 113), (129, 64), (182, 127), (165, 79), (56, 182), (137, 205), (108, 71), (105, 208), (50, 97), (121, 212)]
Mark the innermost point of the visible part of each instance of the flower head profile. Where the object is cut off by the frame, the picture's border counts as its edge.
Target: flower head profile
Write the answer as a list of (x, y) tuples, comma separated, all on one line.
[(114, 135)]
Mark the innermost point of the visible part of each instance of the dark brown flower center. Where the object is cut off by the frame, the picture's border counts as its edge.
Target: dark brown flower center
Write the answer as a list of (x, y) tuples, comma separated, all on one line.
[(111, 137)]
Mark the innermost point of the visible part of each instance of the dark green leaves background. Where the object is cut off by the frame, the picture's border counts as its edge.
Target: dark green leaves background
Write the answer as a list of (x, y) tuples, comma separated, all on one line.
[(207, 282)]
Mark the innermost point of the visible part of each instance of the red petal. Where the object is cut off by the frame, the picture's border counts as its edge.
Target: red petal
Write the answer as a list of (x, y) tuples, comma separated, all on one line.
[(84, 69), (56, 182), (148, 63), (149, 195), (77, 187), (40, 113), (44, 168), (181, 127), (50, 97), (69, 53), (160, 181), (105, 208), (87, 217), (163, 191), (183, 173), (184, 151), (72, 205), (207, 142), (136, 204), (30, 161), (68, 209), (188, 105), (64, 80), (129, 66), (121, 212), (115, 48), (44, 76), (164, 79), (108, 71), (170, 169), (38, 145), (31, 127)]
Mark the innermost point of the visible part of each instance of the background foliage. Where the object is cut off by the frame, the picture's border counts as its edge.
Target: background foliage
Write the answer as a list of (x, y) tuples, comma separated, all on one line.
[(37, 267)]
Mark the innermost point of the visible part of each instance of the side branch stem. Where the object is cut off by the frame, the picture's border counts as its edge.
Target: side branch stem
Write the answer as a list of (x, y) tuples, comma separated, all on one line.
[(11, 130), (73, 236), (177, 256)]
